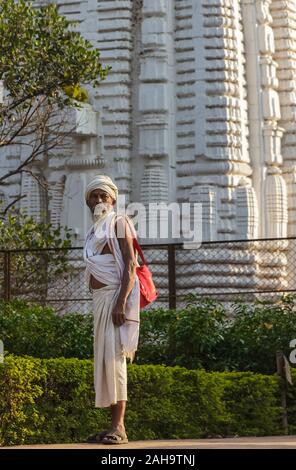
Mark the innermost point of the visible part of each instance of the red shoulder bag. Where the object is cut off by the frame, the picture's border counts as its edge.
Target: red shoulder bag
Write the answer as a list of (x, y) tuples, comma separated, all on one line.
[(148, 291)]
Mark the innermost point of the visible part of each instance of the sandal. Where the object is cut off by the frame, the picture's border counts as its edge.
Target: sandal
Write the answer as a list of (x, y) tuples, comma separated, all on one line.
[(97, 438), (115, 437)]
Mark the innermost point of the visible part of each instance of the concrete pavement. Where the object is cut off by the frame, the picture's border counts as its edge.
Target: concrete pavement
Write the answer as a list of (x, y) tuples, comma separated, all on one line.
[(274, 442)]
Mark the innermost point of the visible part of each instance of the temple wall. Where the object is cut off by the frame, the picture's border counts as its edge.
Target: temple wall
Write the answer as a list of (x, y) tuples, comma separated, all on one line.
[(199, 106)]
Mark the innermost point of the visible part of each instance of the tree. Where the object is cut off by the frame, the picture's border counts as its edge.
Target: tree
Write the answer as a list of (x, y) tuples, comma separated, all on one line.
[(43, 61), (38, 256)]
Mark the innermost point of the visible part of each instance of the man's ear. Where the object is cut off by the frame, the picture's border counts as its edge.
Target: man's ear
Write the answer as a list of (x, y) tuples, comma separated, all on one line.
[(88, 205)]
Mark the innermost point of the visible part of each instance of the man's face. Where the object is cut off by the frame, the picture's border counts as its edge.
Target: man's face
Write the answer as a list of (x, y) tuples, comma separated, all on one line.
[(100, 198)]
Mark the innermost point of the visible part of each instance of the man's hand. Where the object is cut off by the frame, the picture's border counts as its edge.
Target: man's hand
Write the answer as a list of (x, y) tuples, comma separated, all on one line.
[(118, 315), (129, 272)]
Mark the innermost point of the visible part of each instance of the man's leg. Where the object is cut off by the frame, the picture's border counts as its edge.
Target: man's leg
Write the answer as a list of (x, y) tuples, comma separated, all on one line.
[(118, 413), (118, 410)]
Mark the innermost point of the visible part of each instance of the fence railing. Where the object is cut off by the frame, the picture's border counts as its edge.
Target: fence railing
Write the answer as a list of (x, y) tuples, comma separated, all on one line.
[(224, 270)]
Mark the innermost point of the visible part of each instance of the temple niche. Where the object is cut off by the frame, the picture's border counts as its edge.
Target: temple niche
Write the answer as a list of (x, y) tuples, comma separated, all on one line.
[(199, 106)]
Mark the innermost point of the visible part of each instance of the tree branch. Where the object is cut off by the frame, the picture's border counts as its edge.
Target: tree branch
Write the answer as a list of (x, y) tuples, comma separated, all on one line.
[(18, 198)]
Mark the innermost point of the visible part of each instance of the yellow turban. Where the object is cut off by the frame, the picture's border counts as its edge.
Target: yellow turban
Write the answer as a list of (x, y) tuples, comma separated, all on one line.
[(103, 182)]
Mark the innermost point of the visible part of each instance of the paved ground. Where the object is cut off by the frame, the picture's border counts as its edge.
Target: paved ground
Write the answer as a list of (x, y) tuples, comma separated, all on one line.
[(275, 442)]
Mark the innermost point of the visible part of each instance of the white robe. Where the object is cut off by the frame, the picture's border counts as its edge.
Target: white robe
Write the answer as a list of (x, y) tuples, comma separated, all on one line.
[(111, 344), (109, 269)]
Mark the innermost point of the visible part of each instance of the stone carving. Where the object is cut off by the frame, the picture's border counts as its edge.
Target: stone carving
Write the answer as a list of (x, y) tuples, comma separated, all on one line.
[(154, 183), (265, 130), (276, 204), (247, 216), (225, 129), (56, 196), (183, 92), (114, 34), (156, 106), (284, 17), (200, 106), (34, 204), (207, 196)]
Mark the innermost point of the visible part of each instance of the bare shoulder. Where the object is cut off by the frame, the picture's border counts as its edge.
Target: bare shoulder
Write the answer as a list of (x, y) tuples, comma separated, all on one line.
[(122, 228), (125, 238)]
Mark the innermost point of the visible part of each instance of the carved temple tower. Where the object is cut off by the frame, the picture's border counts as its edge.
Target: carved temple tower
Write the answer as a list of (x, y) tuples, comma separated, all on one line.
[(199, 106)]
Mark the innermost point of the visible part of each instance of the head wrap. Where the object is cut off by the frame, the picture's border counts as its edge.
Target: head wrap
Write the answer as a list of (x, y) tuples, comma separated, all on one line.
[(103, 182)]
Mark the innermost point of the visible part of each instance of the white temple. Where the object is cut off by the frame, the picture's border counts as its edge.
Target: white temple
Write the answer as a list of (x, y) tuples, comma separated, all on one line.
[(200, 106)]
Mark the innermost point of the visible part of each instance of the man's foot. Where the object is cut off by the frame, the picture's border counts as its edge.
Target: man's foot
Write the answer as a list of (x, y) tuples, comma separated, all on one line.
[(115, 437), (98, 438)]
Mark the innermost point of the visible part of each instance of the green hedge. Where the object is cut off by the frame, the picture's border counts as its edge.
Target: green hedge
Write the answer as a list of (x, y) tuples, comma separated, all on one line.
[(52, 400), (201, 335), (37, 331), (206, 334)]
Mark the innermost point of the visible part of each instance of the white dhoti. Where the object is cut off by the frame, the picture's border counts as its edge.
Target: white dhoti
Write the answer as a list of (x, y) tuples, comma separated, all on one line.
[(110, 373), (112, 344)]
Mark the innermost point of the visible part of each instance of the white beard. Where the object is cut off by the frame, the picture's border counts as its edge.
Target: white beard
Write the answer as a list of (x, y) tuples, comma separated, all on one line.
[(101, 211)]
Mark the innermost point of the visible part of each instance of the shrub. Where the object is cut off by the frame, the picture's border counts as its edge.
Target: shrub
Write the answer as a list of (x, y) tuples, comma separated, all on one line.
[(43, 401), (253, 401), (256, 332), (196, 335), (38, 331), (154, 336), (202, 335), (189, 337), (242, 337)]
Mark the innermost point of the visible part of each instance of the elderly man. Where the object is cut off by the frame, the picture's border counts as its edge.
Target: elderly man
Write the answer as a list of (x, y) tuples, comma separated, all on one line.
[(111, 276)]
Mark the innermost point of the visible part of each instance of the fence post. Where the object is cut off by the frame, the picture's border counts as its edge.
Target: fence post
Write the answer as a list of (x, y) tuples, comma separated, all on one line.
[(7, 284), (172, 276), (282, 372)]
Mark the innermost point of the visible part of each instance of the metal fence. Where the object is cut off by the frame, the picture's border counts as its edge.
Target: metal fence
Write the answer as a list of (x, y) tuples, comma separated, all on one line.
[(222, 270)]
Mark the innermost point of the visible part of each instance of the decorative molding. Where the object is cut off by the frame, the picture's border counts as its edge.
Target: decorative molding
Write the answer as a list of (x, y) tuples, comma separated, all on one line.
[(115, 39), (201, 94), (156, 124), (276, 204), (247, 215), (34, 204), (154, 184), (221, 118), (284, 28), (55, 200), (207, 196)]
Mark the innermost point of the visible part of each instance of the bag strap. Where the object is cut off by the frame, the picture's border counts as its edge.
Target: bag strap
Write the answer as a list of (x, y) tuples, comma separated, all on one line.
[(137, 246), (139, 250)]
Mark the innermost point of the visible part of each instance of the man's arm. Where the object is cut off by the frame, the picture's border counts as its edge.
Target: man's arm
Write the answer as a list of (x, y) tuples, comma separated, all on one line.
[(129, 273)]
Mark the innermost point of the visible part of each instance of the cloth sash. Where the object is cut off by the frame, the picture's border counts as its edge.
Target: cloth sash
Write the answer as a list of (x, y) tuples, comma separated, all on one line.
[(109, 269)]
